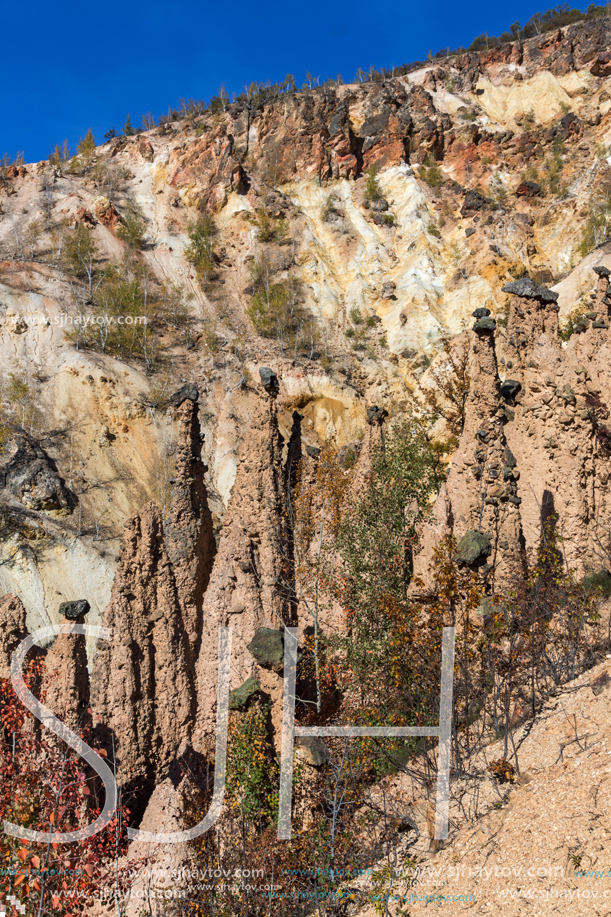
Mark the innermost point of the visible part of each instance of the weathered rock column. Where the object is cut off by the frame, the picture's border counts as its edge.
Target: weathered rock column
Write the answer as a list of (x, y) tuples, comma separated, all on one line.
[(12, 630), (66, 678), (189, 534), (251, 584), (142, 693), (533, 312)]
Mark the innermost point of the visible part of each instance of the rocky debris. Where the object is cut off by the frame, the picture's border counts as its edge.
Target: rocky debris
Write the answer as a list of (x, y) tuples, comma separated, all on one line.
[(141, 689), (528, 189), (267, 648), (190, 530), (74, 610), (106, 212), (12, 630), (240, 698), (269, 380), (482, 312), (85, 217), (28, 474), (550, 796), (473, 549), (474, 202), (388, 289)]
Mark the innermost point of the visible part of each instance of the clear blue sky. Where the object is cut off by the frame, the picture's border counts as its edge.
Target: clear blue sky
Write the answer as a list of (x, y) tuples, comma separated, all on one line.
[(70, 66)]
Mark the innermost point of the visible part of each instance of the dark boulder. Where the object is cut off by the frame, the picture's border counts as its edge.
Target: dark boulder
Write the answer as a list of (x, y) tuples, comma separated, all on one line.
[(267, 647), (269, 380), (484, 325), (510, 388), (473, 549), (240, 698), (74, 610), (528, 289), (188, 392)]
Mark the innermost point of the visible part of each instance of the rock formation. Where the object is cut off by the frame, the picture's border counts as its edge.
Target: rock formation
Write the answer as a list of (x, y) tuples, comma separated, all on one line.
[(535, 443), (251, 582), (66, 677), (189, 533), (29, 475), (12, 629), (142, 692)]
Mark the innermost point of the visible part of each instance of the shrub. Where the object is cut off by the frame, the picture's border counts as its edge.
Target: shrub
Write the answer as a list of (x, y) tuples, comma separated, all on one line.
[(200, 250), (430, 172), (571, 322), (597, 225), (269, 229), (133, 227), (389, 219), (373, 192), (355, 316), (276, 309), (328, 207)]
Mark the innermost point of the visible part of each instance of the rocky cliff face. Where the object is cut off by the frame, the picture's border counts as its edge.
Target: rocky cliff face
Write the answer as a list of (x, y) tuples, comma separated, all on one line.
[(194, 487), (535, 437), (381, 281)]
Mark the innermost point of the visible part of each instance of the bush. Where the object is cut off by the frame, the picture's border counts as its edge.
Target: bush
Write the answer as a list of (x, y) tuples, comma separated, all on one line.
[(571, 322), (269, 229), (133, 227), (597, 225), (276, 309), (200, 250), (430, 172), (328, 207), (373, 192)]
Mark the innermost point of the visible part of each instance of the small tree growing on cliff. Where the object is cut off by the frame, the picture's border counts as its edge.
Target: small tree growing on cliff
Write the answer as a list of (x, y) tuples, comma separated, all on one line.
[(373, 192), (200, 250), (448, 387), (132, 229)]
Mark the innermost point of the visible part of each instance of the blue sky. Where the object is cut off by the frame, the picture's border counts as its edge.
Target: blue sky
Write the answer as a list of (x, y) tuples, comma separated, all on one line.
[(71, 66)]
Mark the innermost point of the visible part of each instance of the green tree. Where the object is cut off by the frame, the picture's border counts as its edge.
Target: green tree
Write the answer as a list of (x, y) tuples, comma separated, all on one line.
[(133, 226), (373, 192), (200, 250), (86, 146), (128, 130), (80, 254)]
